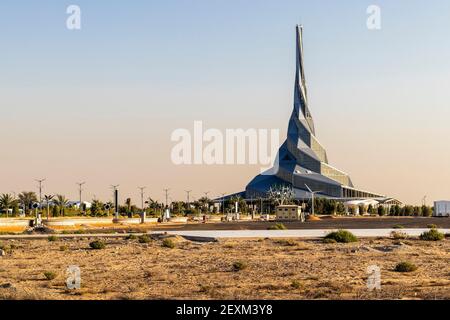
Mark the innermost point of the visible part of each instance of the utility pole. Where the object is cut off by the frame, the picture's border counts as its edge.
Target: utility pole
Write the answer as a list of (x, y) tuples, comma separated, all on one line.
[(188, 192), (40, 189), (142, 196), (424, 201), (116, 201), (142, 204), (167, 210), (167, 197), (80, 190), (40, 195)]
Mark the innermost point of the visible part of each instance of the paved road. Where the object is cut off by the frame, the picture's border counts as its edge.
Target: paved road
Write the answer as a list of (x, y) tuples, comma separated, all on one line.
[(316, 233), (293, 233), (337, 223)]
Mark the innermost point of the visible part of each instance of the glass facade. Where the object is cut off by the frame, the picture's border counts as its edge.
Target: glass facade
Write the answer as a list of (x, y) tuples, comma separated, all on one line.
[(303, 160)]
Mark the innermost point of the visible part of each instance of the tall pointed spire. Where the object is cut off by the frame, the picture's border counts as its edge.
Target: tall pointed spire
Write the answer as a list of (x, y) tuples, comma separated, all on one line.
[(301, 91), (302, 161), (300, 65)]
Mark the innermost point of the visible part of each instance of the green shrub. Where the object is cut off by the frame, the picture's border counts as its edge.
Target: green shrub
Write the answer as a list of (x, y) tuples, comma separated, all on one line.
[(277, 226), (342, 236), (204, 288), (9, 249), (132, 237), (97, 245), (427, 211), (432, 226), (398, 226), (49, 275), (52, 238), (144, 239), (399, 235), (168, 243), (239, 265), (295, 284), (432, 235), (405, 267)]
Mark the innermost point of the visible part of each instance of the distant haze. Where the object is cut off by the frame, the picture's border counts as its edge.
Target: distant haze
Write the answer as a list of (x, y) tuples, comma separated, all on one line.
[(99, 104)]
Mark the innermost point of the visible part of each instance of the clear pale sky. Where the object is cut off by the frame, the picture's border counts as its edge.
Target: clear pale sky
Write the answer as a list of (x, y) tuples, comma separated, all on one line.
[(99, 104)]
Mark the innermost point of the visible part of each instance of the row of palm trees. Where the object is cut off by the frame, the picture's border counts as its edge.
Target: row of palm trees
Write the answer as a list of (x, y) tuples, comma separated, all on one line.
[(7, 202), (26, 199), (59, 203)]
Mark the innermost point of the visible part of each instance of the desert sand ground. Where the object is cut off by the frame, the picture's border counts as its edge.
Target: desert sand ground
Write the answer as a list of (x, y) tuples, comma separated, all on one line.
[(276, 269)]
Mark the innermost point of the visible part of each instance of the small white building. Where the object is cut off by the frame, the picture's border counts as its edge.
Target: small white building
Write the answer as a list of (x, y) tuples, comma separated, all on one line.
[(355, 204), (289, 213), (76, 204), (441, 209)]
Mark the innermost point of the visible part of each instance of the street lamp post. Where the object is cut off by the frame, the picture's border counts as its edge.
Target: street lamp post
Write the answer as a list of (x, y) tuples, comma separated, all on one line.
[(116, 201), (167, 204), (142, 204), (188, 207), (40, 190), (80, 190), (167, 196)]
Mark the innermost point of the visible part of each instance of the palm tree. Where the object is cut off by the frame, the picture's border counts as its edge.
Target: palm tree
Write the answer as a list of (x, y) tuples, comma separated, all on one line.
[(48, 198), (96, 207), (61, 202), (178, 207), (152, 204), (205, 203), (7, 201), (26, 199), (128, 204)]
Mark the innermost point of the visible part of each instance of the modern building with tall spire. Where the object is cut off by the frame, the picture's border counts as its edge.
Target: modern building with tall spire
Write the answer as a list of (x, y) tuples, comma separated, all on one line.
[(302, 162)]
